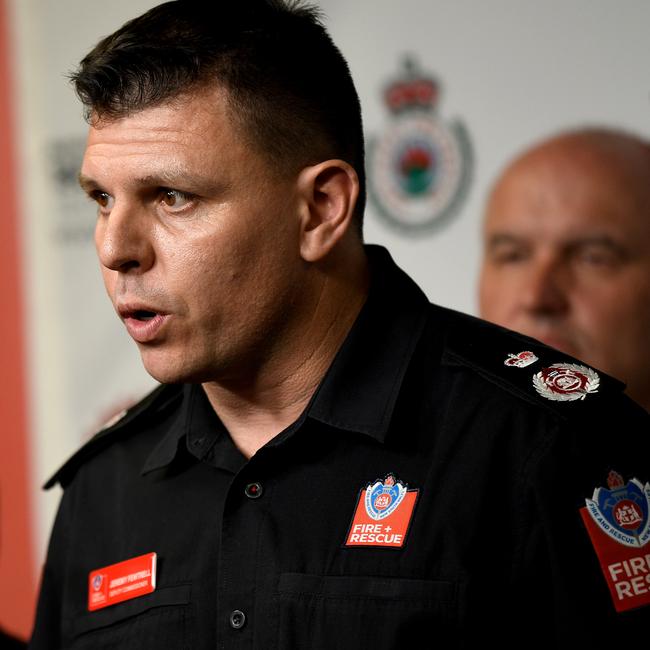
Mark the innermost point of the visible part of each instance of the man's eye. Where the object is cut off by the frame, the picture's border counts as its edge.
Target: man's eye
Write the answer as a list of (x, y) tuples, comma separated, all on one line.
[(103, 199), (599, 256), (176, 199), (508, 255), (596, 258)]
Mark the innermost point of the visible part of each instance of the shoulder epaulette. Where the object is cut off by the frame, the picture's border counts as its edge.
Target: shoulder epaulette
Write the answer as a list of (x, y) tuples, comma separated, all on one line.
[(527, 367), (155, 401)]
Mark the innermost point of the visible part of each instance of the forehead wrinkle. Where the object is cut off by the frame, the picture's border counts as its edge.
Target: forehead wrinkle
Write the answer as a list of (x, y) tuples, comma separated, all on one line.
[(543, 202), (170, 172), (157, 162), (163, 120)]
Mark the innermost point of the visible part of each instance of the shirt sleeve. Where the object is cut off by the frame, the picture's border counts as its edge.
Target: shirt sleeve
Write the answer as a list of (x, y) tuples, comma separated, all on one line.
[(47, 632), (567, 600)]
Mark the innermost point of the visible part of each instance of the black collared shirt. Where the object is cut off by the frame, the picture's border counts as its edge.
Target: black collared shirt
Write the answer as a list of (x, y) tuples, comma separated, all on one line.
[(256, 554)]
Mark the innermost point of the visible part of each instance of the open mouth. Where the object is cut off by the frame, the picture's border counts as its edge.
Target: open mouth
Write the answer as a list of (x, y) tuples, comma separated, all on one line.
[(143, 315), (143, 325)]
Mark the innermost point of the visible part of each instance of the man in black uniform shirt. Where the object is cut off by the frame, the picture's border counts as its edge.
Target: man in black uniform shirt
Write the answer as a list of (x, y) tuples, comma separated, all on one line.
[(331, 461)]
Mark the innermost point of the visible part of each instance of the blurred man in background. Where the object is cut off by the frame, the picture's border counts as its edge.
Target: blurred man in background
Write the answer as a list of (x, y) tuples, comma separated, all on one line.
[(567, 251)]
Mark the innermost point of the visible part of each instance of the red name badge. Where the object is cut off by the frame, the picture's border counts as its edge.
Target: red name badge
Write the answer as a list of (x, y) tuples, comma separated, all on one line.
[(626, 569), (122, 581)]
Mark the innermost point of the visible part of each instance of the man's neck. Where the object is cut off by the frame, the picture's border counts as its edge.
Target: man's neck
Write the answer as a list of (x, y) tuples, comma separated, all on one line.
[(255, 410)]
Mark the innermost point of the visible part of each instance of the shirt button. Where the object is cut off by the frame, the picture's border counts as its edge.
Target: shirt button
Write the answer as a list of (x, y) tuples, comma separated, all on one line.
[(237, 619), (253, 490)]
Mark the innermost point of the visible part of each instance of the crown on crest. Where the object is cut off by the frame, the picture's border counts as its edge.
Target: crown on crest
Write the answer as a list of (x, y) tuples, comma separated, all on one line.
[(614, 480), (412, 89)]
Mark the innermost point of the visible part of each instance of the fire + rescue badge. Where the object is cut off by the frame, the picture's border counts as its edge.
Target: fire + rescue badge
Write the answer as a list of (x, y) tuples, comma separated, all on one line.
[(383, 514)]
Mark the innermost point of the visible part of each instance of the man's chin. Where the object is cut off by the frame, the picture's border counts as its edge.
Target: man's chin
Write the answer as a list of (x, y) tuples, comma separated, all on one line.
[(165, 370), (173, 369)]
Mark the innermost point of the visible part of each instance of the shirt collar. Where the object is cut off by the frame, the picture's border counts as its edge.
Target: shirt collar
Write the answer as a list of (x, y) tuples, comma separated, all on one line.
[(361, 387), (198, 431), (165, 451), (358, 392)]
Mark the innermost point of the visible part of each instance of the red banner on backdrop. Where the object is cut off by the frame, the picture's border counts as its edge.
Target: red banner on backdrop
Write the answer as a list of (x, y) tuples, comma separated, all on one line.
[(17, 588)]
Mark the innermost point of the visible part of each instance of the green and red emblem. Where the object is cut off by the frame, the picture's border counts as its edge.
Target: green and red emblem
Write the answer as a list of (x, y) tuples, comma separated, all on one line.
[(419, 168)]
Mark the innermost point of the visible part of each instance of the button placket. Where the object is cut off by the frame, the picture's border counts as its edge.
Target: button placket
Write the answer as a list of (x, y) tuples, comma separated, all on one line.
[(238, 566)]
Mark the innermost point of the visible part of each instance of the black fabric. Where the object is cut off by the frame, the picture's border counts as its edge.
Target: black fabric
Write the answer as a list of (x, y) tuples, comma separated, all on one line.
[(496, 549), (8, 642)]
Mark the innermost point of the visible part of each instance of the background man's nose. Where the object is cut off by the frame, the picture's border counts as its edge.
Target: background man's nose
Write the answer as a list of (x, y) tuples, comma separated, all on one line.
[(544, 291)]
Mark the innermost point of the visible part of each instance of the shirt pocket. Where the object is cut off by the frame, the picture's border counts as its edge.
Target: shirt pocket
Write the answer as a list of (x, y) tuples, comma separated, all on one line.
[(325, 612), (161, 620)]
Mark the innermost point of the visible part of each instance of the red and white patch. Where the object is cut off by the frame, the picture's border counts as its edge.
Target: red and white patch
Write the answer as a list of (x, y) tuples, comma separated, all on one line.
[(566, 382), (122, 581), (626, 568), (383, 514), (521, 360)]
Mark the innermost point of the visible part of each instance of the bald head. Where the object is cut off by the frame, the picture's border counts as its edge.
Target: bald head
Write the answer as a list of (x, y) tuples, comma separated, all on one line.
[(579, 166), (567, 251)]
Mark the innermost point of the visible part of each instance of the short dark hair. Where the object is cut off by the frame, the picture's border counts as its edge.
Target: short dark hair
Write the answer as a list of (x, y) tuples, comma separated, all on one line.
[(288, 86)]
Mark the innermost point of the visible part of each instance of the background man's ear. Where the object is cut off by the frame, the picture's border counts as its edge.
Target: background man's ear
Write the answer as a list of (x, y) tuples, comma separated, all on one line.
[(328, 193)]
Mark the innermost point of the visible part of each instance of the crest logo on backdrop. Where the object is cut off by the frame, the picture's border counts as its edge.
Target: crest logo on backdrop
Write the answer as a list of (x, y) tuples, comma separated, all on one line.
[(419, 168)]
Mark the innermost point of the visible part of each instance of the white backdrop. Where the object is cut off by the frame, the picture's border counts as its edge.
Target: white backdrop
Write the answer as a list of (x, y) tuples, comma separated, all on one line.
[(511, 70)]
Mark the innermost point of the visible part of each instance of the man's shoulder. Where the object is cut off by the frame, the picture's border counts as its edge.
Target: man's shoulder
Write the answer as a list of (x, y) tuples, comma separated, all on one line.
[(125, 424), (525, 369)]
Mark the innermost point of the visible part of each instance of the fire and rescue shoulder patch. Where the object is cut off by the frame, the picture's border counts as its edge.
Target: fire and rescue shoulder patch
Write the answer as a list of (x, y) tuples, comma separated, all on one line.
[(618, 522)]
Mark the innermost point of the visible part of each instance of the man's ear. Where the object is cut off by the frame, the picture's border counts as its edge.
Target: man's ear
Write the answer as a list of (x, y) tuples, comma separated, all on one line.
[(328, 195)]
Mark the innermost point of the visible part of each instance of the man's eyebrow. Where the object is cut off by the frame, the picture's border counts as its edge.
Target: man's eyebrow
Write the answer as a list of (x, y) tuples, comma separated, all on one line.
[(596, 240), (176, 175), (87, 184), (162, 178), (604, 242), (174, 179), (182, 180), (500, 238)]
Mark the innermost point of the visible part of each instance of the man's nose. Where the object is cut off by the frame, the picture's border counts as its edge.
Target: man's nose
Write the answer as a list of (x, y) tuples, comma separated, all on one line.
[(123, 240), (545, 289)]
